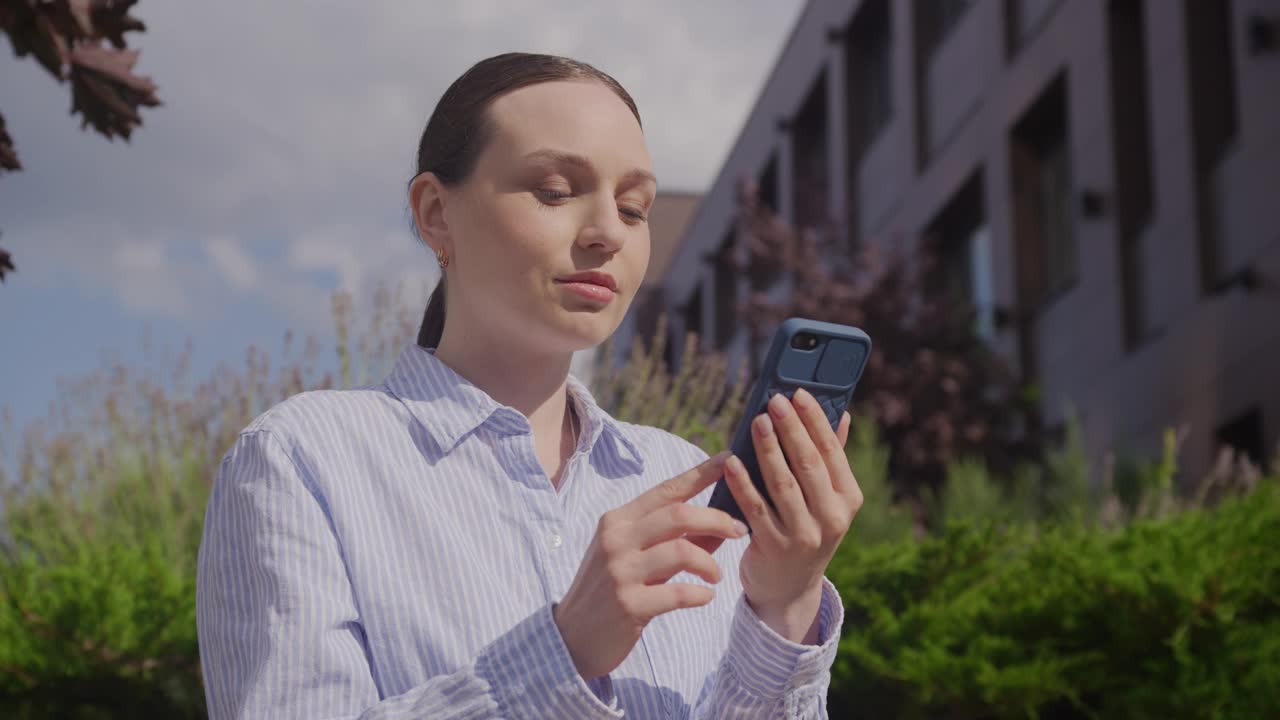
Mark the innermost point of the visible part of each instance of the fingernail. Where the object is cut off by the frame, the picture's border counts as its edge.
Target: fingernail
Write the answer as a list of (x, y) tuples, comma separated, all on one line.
[(778, 405), (720, 457), (734, 464), (764, 426), (800, 393), (739, 529)]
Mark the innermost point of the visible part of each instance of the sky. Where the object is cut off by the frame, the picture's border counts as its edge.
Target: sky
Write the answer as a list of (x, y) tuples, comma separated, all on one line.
[(275, 171)]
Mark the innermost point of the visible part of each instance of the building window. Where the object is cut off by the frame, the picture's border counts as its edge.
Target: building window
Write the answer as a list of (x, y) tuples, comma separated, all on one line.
[(1044, 224), (726, 286), (868, 53), (767, 192), (1244, 435), (1024, 18), (960, 242), (1214, 123), (947, 79), (869, 72), (809, 158), (762, 270), (1131, 141), (934, 19)]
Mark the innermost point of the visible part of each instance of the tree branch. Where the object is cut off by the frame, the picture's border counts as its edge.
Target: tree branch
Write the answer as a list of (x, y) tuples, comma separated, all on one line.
[(66, 37)]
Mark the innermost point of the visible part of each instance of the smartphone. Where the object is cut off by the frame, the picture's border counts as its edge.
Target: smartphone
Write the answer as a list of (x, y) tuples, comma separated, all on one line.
[(823, 358)]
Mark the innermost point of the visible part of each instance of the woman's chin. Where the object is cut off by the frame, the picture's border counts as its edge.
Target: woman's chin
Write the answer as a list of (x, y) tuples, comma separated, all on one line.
[(583, 330)]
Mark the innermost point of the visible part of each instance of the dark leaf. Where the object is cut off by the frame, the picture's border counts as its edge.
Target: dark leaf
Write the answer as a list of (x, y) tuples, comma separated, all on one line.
[(6, 263), (106, 92), (8, 155), (37, 33), (65, 37), (110, 19)]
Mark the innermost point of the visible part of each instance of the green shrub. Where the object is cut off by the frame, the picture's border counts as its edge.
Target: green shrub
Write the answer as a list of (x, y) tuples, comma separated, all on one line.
[(1033, 598), (102, 524), (1173, 617), (882, 518), (98, 615)]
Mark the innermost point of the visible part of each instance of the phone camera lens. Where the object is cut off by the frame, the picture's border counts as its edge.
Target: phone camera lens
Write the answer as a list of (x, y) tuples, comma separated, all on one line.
[(804, 341)]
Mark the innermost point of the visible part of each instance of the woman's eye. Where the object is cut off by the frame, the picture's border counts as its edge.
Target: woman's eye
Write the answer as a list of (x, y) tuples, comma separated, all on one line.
[(552, 195), (637, 215)]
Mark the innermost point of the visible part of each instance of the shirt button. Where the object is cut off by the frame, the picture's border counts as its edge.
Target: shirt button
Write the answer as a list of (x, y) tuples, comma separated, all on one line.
[(554, 540)]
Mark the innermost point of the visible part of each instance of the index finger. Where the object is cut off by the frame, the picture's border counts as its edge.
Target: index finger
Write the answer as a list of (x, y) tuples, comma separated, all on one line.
[(679, 488)]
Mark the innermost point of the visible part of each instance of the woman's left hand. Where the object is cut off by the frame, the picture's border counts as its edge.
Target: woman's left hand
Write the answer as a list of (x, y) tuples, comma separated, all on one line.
[(816, 496)]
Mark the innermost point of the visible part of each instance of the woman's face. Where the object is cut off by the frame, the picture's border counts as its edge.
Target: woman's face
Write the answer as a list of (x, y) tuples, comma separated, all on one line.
[(548, 236)]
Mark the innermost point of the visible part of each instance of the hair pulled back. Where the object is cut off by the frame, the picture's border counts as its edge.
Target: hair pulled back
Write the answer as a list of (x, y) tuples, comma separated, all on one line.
[(459, 128)]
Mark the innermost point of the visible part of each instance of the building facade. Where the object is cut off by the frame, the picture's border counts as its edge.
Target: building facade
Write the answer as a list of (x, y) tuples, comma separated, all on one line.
[(1100, 177)]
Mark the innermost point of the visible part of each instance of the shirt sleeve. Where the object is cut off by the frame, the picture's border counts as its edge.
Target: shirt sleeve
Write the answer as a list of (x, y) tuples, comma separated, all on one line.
[(761, 674), (280, 636), (764, 675)]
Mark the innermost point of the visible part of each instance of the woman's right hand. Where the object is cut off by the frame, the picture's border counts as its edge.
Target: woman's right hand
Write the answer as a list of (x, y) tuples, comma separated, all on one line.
[(622, 582)]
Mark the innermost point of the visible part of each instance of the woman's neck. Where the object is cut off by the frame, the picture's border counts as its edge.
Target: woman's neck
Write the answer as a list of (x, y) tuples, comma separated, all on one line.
[(532, 383)]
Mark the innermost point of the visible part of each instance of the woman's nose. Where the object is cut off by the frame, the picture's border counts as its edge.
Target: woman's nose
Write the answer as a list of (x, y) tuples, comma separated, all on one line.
[(604, 230)]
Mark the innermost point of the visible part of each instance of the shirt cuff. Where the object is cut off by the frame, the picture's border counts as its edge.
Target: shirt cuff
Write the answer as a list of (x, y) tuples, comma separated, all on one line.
[(768, 665), (532, 675), (602, 688)]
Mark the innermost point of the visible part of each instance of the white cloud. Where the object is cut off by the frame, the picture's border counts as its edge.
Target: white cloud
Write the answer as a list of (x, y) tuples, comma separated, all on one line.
[(140, 256), (275, 171), (142, 271), (145, 278), (148, 273), (359, 257), (237, 268)]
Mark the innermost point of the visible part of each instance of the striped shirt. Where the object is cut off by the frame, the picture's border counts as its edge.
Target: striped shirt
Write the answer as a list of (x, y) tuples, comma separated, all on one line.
[(395, 551)]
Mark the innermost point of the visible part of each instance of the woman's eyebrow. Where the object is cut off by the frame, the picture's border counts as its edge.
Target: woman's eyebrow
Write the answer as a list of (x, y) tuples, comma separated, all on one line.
[(568, 158)]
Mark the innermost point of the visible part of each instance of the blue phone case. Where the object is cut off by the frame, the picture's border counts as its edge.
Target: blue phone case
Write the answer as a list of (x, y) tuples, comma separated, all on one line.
[(829, 370)]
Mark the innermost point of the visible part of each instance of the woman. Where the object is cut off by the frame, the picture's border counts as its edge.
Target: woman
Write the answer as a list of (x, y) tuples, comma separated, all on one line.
[(474, 537)]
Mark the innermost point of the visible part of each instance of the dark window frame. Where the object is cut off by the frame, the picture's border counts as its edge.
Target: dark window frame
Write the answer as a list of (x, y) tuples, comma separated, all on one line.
[(949, 239), (1134, 173), (935, 19), (725, 275), (1039, 139), (1214, 106), (1018, 38), (810, 158)]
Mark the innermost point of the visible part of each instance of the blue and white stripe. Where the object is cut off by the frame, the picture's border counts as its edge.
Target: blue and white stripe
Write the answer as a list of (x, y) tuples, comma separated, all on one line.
[(395, 551)]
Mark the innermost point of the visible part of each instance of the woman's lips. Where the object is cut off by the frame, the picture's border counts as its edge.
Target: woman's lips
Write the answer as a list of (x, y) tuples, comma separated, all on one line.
[(594, 285), (589, 291)]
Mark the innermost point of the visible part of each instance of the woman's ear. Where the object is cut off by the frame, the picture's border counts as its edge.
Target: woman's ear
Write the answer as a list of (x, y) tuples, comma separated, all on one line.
[(427, 196)]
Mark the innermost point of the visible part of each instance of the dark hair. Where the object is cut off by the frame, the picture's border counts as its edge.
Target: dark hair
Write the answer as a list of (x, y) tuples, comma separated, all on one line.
[(458, 130)]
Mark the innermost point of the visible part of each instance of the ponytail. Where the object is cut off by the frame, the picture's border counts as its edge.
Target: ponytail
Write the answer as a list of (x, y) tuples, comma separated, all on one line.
[(433, 318)]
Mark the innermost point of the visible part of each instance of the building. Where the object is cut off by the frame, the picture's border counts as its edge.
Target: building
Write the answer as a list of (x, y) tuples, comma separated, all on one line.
[(1106, 173)]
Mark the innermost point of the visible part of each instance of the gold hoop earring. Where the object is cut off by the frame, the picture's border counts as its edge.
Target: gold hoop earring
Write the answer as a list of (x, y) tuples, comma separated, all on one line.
[(443, 258)]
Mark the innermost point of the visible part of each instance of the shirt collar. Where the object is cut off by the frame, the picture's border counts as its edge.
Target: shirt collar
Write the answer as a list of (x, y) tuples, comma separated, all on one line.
[(450, 407)]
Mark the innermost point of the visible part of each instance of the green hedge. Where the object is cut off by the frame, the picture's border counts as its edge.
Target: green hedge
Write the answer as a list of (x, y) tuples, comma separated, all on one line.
[(1035, 598), (1171, 618), (97, 613), (1174, 617)]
